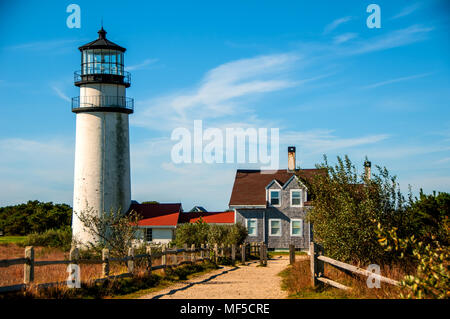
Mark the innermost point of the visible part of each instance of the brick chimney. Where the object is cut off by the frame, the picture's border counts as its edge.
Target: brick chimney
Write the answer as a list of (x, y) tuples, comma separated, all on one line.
[(367, 169), (291, 158)]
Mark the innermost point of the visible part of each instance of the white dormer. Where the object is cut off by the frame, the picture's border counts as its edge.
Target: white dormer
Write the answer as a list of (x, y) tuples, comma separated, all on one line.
[(273, 193)]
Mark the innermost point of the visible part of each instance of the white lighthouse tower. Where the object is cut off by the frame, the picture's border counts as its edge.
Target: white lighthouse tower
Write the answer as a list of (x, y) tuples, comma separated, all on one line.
[(102, 150)]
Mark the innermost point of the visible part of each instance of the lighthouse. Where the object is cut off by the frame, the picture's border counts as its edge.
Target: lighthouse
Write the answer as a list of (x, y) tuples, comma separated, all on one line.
[(102, 151)]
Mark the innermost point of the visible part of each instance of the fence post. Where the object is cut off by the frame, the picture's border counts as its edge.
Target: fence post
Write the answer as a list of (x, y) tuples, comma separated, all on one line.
[(148, 250), (105, 264), (317, 266), (265, 254), (202, 252), (185, 247), (193, 253), (216, 253), (131, 260), (163, 256), (291, 254), (233, 253), (261, 253), (175, 256), (243, 253), (29, 265)]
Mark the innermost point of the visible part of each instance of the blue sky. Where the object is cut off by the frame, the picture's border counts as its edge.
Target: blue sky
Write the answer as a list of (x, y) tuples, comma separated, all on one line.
[(312, 69)]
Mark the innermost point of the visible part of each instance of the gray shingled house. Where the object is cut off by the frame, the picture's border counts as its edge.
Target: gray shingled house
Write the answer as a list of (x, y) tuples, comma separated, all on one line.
[(273, 205)]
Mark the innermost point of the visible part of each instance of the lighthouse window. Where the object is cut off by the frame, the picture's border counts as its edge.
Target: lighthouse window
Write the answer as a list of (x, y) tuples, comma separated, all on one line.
[(102, 61)]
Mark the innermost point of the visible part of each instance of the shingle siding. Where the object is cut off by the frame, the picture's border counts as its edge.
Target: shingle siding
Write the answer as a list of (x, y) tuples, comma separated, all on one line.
[(285, 213)]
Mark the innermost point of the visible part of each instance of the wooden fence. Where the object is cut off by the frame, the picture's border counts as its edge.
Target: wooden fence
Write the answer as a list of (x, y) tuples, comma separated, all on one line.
[(189, 255), (318, 261)]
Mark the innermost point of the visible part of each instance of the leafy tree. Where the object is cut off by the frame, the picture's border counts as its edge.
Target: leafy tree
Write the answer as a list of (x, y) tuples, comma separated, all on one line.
[(115, 230), (429, 217), (195, 233), (34, 217), (345, 206), (201, 233)]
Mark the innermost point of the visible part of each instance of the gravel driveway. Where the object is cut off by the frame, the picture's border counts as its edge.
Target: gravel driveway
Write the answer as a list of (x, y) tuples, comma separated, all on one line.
[(243, 282)]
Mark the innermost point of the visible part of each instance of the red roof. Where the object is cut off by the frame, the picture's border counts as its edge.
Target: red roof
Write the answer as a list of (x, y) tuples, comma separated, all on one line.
[(250, 185), (208, 217), (157, 214)]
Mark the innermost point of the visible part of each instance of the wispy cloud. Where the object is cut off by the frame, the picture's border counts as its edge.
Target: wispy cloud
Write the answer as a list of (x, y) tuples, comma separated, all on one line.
[(407, 11), (336, 23), (48, 45), (220, 91), (60, 93), (396, 80), (142, 65), (36, 169), (344, 37), (397, 38), (323, 141)]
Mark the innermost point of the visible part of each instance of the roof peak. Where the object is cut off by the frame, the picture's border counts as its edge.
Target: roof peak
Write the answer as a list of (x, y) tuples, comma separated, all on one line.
[(102, 33)]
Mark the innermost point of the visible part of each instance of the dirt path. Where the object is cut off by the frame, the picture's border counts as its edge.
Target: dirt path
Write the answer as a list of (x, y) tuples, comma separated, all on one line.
[(243, 282)]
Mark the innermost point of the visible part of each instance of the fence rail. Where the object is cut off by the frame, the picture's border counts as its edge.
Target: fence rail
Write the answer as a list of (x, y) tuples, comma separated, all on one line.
[(318, 260), (190, 255)]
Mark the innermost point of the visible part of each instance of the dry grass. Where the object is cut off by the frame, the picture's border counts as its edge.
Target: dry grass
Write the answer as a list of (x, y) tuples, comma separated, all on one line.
[(297, 281), (13, 275)]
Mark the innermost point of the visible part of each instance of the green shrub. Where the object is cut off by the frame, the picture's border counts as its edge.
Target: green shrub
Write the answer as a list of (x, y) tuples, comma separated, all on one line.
[(34, 217), (59, 238), (201, 233)]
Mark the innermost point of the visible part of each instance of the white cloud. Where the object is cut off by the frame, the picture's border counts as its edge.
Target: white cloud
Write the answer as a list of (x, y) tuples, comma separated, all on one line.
[(407, 11), (142, 65), (336, 23), (60, 93), (344, 37), (48, 45), (397, 38), (396, 80), (36, 169), (323, 141), (220, 93)]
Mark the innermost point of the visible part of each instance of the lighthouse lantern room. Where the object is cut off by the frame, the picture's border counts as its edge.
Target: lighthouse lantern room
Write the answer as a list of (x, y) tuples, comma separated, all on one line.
[(102, 151)]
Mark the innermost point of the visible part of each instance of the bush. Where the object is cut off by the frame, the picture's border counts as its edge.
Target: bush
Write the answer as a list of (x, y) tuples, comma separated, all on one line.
[(34, 217), (58, 238), (432, 277), (345, 206), (201, 233)]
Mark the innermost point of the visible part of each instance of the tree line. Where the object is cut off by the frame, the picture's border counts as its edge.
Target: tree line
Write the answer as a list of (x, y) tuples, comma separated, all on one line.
[(34, 217)]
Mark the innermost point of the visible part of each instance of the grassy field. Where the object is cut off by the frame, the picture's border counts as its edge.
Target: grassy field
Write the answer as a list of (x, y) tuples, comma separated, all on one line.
[(11, 239), (297, 281)]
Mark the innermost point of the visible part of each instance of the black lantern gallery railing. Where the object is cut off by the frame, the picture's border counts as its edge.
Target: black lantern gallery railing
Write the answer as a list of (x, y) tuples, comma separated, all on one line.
[(102, 103), (80, 78)]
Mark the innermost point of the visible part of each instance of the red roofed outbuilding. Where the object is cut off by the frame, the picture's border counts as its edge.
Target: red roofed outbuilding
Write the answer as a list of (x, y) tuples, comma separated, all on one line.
[(158, 222), (220, 218)]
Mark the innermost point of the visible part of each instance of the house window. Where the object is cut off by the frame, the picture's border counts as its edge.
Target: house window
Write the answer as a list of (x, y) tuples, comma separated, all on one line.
[(296, 198), (148, 234), (297, 227), (275, 198), (274, 227), (252, 227)]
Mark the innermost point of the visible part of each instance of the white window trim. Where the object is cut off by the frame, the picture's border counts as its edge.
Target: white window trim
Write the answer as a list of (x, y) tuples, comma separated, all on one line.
[(297, 220), (301, 197), (256, 226), (270, 227), (279, 197)]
